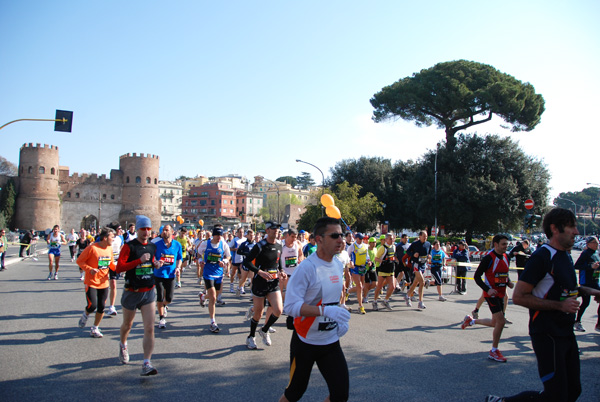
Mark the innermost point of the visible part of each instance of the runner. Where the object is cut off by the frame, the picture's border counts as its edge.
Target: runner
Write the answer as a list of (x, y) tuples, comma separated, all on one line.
[(267, 272), (82, 243), (136, 260), (236, 260), (117, 244), (243, 251), (310, 247), (313, 295), (403, 272), (72, 243), (96, 261), (495, 268), (216, 256), (419, 254), (3, 248), (386, 257), (291, 255), (371, 274), (359, 259), (167, 261), (55, 240), (588, 265), (131, 233), (182, 238), (461, 255), (438, 260)]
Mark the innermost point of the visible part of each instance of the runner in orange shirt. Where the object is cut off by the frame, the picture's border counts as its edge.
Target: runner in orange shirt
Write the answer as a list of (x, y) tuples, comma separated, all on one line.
[(95, 261)]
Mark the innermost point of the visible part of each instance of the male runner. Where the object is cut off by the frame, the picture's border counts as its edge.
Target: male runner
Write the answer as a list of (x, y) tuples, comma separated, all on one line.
[(438, 260), (548, 288), (359, 259), (313, 299), (216, 256), (386, 257), (117, 244), (167, 261), (55, 240), (267, 272), (310, 247), (136, 260), (236, 260), (419, 254), (461, 254), (494, 266), (588, 265), (182, 238), (243, 251), (403, 272)]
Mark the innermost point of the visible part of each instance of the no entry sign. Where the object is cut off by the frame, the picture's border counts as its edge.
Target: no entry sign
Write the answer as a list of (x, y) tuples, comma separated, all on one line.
[(528, 204)]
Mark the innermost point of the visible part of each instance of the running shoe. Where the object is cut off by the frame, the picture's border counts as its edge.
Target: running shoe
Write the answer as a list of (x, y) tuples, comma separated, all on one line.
[(231, 290), (507, 321), (238, 292), (475, 314), (408, 302), (375, 307), (466, 322), (578, 327), (214, 328), (362, 310), (162, 323), (402, 285), (365, 300), (83, 320), (427, 284), (55, 277), (422, 305), (50, 276), (112, 311), (202, 298), (250, 342), (346, 307), (494, 398), (148, 369), (177, 285), (220, 302), (242, 291), (442, 298), (95, 333), (412, 298), (82, 277), (386, 304), (397, 290), (266, 338), (249, 314), (497, 356), (123, 354), (166, 311), (272, 330)]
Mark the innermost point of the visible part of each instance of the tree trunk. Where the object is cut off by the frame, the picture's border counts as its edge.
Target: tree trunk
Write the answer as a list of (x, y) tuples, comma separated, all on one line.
[(450, 138)]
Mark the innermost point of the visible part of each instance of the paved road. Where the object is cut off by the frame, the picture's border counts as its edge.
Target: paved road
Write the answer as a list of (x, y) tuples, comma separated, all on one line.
[(405, 354)]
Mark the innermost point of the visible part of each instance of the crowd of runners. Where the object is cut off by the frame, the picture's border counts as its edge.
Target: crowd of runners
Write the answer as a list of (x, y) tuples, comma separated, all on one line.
[(369, 270)]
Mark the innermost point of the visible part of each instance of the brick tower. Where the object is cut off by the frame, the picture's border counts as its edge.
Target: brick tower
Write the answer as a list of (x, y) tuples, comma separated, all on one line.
[(140, 188), (38, 203)]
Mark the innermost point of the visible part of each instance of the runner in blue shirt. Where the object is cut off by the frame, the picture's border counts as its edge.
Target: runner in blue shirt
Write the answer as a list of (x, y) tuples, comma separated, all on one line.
[(168, 260)]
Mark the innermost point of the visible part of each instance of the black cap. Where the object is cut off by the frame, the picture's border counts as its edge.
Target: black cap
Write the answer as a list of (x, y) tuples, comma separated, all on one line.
[(272, 225)]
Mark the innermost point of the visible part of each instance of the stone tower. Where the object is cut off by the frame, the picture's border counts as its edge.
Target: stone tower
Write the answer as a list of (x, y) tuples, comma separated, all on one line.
[(38, 202), (140, 188)]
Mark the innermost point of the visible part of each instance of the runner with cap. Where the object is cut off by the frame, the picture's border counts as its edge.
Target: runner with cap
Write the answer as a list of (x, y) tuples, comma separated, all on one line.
[(216, 255), (588, 265), (371, 274), (386, 257), (168, 259), (419, 254), (265, 254), (136, 260), (116, 245), (243, 251)]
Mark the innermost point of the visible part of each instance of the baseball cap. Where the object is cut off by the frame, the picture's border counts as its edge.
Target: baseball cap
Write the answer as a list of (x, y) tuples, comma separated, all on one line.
[(359, 236), (372, 240), (217, 232), (272, 225), (382, 237), (301, 231)]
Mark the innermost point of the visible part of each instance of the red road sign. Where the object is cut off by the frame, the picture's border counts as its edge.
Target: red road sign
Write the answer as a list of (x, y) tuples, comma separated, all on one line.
[(528, 204)]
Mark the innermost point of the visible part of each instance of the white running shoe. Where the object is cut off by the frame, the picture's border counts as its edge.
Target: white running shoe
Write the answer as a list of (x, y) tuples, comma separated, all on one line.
[(55, 277), (231, 288), (214, 328), (95, 333), (82, 277), (272, 330), (387, 305), (422, 305), (202, 298), (442, 298), (249, 314), (162, 323), (250, 342), (266, 338), (408, 302), (83, 320), (112, 311), (123, 354)]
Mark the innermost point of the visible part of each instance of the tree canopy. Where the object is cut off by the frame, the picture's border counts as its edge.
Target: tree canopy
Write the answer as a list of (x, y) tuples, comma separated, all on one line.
[(292, 181), (305, 180), (457, 95), (586, 200), (7, 168)]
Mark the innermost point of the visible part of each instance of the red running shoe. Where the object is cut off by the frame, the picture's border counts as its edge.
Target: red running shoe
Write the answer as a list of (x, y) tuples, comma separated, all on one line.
[(466, 322), (497, 356)]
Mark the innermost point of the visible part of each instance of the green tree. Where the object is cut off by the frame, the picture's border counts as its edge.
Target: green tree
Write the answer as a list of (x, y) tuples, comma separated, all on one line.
[(482, 185), (8, 199), (457, 95), (274, 211), (292, 181), (587, 200), (305, 181), (7, 168)]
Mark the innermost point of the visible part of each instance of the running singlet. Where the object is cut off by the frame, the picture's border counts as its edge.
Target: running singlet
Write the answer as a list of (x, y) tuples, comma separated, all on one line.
[(54, 244), (212, 256), (289, 258), (437, 257), (496, 275), (142, 276), (388, 259), (422, 249)]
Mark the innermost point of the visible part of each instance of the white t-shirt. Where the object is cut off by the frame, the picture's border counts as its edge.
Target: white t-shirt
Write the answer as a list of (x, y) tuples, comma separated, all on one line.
[(289, 258), (315, 282)]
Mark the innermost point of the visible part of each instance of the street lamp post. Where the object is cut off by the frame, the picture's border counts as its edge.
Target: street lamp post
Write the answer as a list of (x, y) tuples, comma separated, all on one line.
[(435, 195), (323, 183)]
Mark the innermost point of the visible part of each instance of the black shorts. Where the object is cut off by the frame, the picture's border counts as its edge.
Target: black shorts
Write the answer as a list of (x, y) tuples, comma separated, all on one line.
[(212, 283), (331, 362), (165, 287), (113, 274), (261, 288), (136, 300), (371, 276), (96, 299), (496, 304), (436, 274)]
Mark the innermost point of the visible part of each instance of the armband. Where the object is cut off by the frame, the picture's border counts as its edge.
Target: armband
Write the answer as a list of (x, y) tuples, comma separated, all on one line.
[(320, 309)]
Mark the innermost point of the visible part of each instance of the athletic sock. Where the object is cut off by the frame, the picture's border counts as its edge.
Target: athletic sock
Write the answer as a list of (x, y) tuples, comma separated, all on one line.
[(253, 325), (272, 319)]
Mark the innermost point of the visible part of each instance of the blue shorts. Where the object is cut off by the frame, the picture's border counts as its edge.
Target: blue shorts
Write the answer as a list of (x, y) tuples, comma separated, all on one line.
[(358, 270), (54, 251)]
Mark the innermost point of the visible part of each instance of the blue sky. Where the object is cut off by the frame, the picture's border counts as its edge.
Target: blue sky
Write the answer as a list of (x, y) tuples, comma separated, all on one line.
[(248, 87)]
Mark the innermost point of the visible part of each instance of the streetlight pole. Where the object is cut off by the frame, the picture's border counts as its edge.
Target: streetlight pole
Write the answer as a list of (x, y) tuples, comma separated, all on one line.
[(323, 183), (435, 194)]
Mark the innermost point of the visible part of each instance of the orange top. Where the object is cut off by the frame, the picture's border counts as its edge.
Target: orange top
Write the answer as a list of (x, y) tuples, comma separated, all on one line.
[(101, 259)]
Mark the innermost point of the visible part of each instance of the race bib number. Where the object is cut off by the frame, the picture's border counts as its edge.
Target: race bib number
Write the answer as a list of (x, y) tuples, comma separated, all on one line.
[(291, 261), (501, 279), (54, 244), (213, 258), (103, 262), (566, 293), (144, 268), (167, 259), (422, 259)]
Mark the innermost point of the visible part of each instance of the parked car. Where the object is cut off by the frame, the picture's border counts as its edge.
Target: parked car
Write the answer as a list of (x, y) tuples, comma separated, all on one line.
[(473, 255)]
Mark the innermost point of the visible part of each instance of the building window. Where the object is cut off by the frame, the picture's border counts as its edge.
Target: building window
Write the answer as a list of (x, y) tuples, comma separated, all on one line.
[(42, 170), (138, 179), (29, 170), (216, 193), (202, 202), (127, 179), (148, 181), (112, 196), (76, 195), (155, 182), (68, 194), (212, 202), (103, 196), (52, 171)]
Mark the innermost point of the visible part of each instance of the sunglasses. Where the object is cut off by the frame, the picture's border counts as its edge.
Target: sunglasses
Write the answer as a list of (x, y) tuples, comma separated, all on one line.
[(334, 235)]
